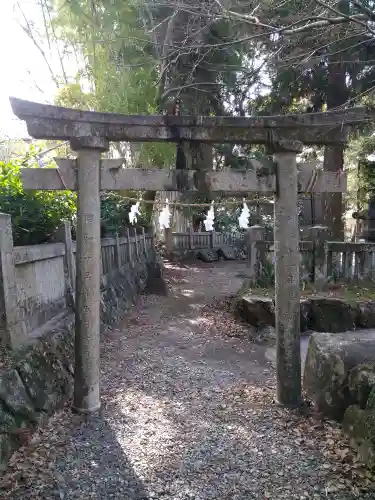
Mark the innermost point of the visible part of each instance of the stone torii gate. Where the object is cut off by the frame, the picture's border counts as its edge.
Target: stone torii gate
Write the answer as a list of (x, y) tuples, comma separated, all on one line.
[(89, 134)]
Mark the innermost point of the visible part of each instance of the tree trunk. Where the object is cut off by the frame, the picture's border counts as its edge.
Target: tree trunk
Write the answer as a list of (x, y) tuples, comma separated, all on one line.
[(337, 95), (333, 202)]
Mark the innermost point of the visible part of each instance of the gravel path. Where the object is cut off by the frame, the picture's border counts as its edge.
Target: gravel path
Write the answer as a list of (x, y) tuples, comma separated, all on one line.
[(187, 414)]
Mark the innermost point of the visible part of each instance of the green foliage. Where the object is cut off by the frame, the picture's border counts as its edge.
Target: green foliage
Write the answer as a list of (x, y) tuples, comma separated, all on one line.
[(72, 96), (35, 214), (118, 65), (115, 214)]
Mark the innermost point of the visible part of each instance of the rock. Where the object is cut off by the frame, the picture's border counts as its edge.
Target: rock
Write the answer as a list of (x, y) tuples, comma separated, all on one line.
[(8, 445), (155, 283), (206, 255), (242, 255), (227, 253), (62, 342), (266, 334), (119, 292), (323, 314), (182, 255), (330, 357), (359, 424), (366, 314), (256, 310), (14, 397), (7, 420), (361, 381), (305, 313), (259, 311), (332, 315), (46, 377)]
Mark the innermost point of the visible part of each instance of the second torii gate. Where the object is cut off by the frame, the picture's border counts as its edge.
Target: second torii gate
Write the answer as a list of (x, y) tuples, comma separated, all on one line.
[(89, 134)]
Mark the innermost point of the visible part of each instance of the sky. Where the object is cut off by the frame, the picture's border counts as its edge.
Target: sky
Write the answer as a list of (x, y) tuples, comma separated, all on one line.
[(24, 73)]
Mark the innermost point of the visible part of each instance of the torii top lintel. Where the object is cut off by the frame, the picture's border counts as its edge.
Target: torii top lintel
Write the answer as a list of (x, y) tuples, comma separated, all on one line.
[(53, 122)]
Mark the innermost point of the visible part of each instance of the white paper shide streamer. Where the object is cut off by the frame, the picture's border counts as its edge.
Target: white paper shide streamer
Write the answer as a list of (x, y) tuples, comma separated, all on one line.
[(164, 217), (243, 219), (134, 212), (210, 217)]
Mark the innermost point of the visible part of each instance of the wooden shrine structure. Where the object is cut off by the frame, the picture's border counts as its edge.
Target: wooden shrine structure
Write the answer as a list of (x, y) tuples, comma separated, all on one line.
[(89, 134)]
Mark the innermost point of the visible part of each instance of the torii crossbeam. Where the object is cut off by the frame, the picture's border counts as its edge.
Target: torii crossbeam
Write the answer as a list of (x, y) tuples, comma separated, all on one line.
[(89, 134)]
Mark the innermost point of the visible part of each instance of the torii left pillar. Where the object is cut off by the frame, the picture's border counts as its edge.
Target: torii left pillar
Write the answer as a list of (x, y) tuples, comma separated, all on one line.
[(87, 315), (287, 287)]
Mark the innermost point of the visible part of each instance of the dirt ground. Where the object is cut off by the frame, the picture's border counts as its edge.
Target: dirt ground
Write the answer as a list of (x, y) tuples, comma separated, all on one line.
[(187, 413)]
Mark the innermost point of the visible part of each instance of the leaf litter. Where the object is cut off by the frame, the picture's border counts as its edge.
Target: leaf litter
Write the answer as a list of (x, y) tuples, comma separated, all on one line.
[(214, 430)]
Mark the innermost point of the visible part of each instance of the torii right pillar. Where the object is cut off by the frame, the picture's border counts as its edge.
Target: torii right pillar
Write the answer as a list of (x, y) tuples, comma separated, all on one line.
[(287, 275)]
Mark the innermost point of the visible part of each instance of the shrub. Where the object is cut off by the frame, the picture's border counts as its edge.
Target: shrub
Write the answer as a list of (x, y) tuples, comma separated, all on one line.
[(35, 214)]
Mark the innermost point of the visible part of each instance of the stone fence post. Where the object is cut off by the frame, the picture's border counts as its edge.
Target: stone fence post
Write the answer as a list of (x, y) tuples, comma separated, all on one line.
[(64, 235), (253, 235), (318, 235), (136, 245), (168, 239), (12, 329), (212, 239), (191, 245)]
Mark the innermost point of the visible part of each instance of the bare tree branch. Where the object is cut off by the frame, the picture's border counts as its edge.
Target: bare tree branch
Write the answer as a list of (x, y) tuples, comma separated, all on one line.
[(354, 19), (29, 32)]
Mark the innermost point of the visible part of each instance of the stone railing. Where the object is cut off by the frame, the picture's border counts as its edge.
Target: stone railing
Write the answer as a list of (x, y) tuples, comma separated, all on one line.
[(320, 258)]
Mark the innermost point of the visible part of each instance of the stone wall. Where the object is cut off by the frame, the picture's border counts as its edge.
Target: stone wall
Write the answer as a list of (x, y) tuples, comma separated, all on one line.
[(40, 377), (40, 282), (36, 281)]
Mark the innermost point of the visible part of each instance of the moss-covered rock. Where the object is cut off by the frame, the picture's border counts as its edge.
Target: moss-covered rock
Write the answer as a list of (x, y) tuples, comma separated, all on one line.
[(330, 357), (370, 404), (155, 283), (359, 424), (46, 377), (7, 419), (8, 445), (14, 397), (227, 253), (366, 314), (206, 255), (361, 381), (257, 311), (332, 315), (317, 313)]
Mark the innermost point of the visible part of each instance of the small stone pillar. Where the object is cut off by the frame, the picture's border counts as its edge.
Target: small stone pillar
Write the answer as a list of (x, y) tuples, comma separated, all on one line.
[(190, 231), (168, 239), (318, 235), (253, 235), (87, 316), (64, 235), (212, 239), (12, 329), (287, 288)]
